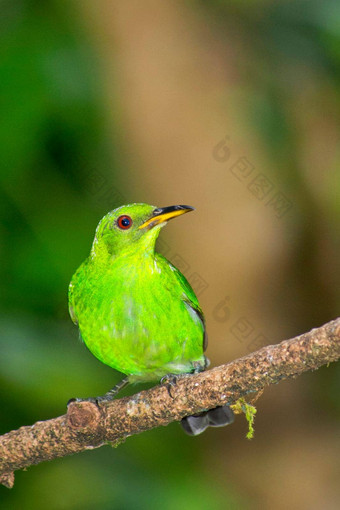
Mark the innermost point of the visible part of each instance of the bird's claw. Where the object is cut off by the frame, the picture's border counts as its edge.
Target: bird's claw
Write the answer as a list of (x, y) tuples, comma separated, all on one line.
[(169, 381), (92, 400)]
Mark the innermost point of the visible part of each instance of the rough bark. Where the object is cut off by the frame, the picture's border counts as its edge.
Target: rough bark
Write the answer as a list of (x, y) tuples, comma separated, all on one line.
[(88, 426)]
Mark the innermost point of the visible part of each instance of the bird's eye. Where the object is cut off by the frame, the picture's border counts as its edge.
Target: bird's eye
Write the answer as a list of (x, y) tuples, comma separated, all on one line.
[(124, 222)]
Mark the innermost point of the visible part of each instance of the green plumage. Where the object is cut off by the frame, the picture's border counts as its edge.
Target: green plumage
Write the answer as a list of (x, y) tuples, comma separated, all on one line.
[(136, 312)]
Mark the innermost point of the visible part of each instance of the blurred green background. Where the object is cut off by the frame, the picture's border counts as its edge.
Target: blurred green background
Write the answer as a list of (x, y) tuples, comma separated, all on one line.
[(106, 103)]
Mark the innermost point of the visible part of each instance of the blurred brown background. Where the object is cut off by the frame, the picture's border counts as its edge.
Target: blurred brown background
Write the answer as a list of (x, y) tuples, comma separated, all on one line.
[(231, 107)]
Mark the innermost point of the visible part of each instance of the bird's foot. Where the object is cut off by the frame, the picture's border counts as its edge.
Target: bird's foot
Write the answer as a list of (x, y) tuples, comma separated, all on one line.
[(110, 395), (170, 381), (93, 400)]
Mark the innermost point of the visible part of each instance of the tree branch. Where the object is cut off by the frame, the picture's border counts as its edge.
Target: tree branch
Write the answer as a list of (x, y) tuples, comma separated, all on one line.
[(88, 426)]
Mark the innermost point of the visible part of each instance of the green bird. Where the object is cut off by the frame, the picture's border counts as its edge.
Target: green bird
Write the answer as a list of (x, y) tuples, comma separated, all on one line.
[(136, 312)]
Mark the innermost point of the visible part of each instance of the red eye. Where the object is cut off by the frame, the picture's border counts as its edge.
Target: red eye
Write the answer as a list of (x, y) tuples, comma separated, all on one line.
[(124, 222)]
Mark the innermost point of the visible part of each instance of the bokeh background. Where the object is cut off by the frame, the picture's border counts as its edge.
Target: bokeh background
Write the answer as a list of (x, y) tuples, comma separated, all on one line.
[(229, 106)]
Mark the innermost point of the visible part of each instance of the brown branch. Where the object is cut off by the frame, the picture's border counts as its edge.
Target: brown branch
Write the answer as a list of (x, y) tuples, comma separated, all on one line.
[(87, 426)]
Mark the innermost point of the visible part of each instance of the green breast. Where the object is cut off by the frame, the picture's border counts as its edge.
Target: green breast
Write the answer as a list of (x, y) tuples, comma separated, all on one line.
[(138, 315)]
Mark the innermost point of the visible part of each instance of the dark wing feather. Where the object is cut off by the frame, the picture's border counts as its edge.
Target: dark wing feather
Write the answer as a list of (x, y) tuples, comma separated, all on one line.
[(190, 299)]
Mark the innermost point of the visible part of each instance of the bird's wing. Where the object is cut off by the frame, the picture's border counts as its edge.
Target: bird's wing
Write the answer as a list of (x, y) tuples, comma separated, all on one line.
[(199, 313), (190, 298), (74, 289), (71, 307), (71, 310)]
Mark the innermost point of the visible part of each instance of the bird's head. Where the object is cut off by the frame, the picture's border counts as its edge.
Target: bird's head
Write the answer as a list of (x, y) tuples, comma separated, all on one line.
[(133, 227)]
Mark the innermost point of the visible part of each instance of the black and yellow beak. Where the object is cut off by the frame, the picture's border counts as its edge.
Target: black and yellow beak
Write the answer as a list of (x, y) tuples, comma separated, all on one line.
[(163, 214)]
